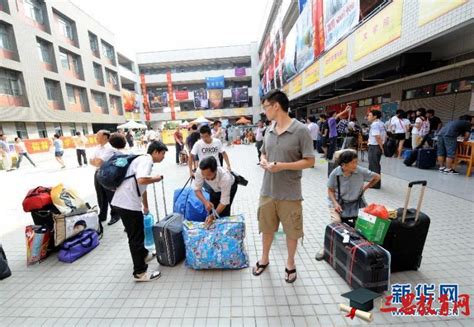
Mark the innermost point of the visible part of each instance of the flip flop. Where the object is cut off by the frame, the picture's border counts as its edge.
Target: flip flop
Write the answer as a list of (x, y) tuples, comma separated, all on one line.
[(288, 273), (259, 266)]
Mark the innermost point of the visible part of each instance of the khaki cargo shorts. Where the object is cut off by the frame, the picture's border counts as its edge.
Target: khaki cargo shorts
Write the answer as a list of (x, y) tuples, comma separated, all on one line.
[(290, 213)]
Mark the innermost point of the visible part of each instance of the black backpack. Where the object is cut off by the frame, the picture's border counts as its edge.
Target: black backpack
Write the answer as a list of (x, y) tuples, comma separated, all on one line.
[(4, 269), (113, 172)]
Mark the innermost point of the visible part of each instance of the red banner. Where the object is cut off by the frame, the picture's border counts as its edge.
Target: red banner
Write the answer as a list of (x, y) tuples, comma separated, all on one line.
[(318, 25), (170, 92), (146, 107), (181, 95), (43, 145)]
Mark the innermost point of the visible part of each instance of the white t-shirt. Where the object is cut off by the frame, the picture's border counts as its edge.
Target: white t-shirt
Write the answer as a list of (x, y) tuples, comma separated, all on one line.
[(126, 196), (424, 127), (221, 183), (204, 150), (376, 128), (150, 135), (314, 131), (104, 152), (397, 125)]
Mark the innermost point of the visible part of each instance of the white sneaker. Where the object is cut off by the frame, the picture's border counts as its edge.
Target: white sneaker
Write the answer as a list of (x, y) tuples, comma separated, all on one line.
[(442, 169), (147, 276)]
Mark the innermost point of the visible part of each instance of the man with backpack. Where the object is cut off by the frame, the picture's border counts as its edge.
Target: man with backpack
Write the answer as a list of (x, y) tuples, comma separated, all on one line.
[(103, 152), (131, 202)]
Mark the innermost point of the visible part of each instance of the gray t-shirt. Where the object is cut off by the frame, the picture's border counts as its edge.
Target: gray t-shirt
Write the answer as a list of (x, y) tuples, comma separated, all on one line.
[(455, 128), (351, 186), (293, 145)]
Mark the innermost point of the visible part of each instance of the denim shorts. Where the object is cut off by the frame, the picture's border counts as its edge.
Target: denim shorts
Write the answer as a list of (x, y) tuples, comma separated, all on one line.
[(58, 153), (447, 146)]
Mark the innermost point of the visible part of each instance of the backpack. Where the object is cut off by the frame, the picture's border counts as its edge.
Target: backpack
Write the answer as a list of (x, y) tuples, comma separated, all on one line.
[(37, 199), (113, 172)]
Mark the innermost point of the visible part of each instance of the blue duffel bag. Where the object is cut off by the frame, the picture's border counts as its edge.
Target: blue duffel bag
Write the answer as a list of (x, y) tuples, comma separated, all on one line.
[(186, 203), (221, 246)]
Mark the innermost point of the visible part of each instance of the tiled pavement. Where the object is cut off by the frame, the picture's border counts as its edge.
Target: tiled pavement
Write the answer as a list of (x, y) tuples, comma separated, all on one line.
[(98, 289)]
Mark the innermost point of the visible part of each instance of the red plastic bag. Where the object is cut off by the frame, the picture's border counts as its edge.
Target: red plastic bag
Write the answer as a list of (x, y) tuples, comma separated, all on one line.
[(377, 210)]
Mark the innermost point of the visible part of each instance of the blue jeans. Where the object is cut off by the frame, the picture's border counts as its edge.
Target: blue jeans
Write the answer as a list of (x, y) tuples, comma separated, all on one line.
[(447, 146)]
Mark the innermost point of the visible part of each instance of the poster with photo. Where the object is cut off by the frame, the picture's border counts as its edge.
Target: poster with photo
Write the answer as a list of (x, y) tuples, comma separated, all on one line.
[(200, 99), (216, 99)]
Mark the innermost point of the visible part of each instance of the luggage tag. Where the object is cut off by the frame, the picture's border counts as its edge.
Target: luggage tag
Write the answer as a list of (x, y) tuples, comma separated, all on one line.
[(345, 237)]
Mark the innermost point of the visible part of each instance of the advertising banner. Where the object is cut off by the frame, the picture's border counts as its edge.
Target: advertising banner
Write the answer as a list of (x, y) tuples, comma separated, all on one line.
[(318, 25), (157, 99), (216, 99), (200, 99), (304, 38), (429, 10), (380, 30), (340, 16), (335, 59), (302, 5), (146, 105), (311, 74), (239, 71), (170, 92), (296, 85), (240, 94), (215, 82), (181, 95), (129, 100), (132, 116), (289, 68)]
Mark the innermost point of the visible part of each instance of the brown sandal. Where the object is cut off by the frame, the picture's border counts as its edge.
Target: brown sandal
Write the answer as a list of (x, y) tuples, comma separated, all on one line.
[(288, 273), (259, 266)]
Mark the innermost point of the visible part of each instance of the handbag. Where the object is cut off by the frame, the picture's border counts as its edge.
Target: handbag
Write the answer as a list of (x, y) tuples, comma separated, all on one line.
[(37, 198), (350, 209), (78, 246), (67, 226)]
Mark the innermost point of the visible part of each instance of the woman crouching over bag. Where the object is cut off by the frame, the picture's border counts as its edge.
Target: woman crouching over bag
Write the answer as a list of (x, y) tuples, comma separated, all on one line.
[(346, 189)]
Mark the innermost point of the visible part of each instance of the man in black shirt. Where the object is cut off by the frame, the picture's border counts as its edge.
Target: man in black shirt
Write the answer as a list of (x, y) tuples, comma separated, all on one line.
[(192, 138), (435, 126)]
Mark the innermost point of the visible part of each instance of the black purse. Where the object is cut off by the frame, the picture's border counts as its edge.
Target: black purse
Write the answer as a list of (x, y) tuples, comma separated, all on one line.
[(350, 209)]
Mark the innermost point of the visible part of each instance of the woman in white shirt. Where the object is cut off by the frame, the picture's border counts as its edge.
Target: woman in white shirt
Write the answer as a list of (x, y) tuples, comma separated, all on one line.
[(398, 127), (421, 128)]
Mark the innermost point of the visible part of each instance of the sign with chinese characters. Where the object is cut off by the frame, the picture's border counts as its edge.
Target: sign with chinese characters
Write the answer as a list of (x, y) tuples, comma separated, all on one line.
[(181, 95), (296, 85), (311, 74), (146, 106), (429, 10), (420, 300), (340, 16), (335, 59), (380, 30), (170, 92), (215, 82)]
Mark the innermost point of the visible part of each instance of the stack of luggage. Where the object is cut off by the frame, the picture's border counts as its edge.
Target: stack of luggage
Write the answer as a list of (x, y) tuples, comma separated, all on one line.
[(366, 255), (62, 222)]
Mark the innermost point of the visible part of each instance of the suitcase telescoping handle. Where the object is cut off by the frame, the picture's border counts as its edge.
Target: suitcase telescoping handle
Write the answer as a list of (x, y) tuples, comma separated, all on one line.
[(418, 207)]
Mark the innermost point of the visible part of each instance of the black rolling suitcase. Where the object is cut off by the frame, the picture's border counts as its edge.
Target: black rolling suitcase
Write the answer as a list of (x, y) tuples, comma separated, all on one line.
[(4, 269), (426, 158), (168, 236), (407, 233), (359, 262), (411, 158)]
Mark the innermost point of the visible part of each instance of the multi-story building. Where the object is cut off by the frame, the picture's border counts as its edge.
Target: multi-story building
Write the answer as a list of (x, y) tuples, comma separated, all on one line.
[(380, 54), (217, 82), (59, 71)]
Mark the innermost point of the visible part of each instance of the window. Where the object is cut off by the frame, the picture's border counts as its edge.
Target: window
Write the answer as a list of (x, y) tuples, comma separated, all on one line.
[(464, 85), (52, 90), (108, 51), (10, 82), (85, 129), (44, 50), (98, 72), (21, 131), (75, 64), (65, 28), (72, 128), (42, 132), (34, 10), (71, 96), (4, 6), (443, 88), (58, 129), (82, 96), (99, 99), (64, 60), (421, 92), (112, 78), (94, 43), (5, 38)]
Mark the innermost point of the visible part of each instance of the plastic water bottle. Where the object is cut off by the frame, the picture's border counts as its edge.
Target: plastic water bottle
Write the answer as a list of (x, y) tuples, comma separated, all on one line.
[(148, 222)]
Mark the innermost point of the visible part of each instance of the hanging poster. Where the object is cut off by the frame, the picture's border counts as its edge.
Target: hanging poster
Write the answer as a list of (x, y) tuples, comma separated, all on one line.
[(215, 82), (129, 100), (318, 25), (311, 74), (157, 98), (429, 10), (216, 99), (380, 30), (181, 95), (239, 71), (304, 38), (200, 99), (340, 16), (240, 94), (289, 68)]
